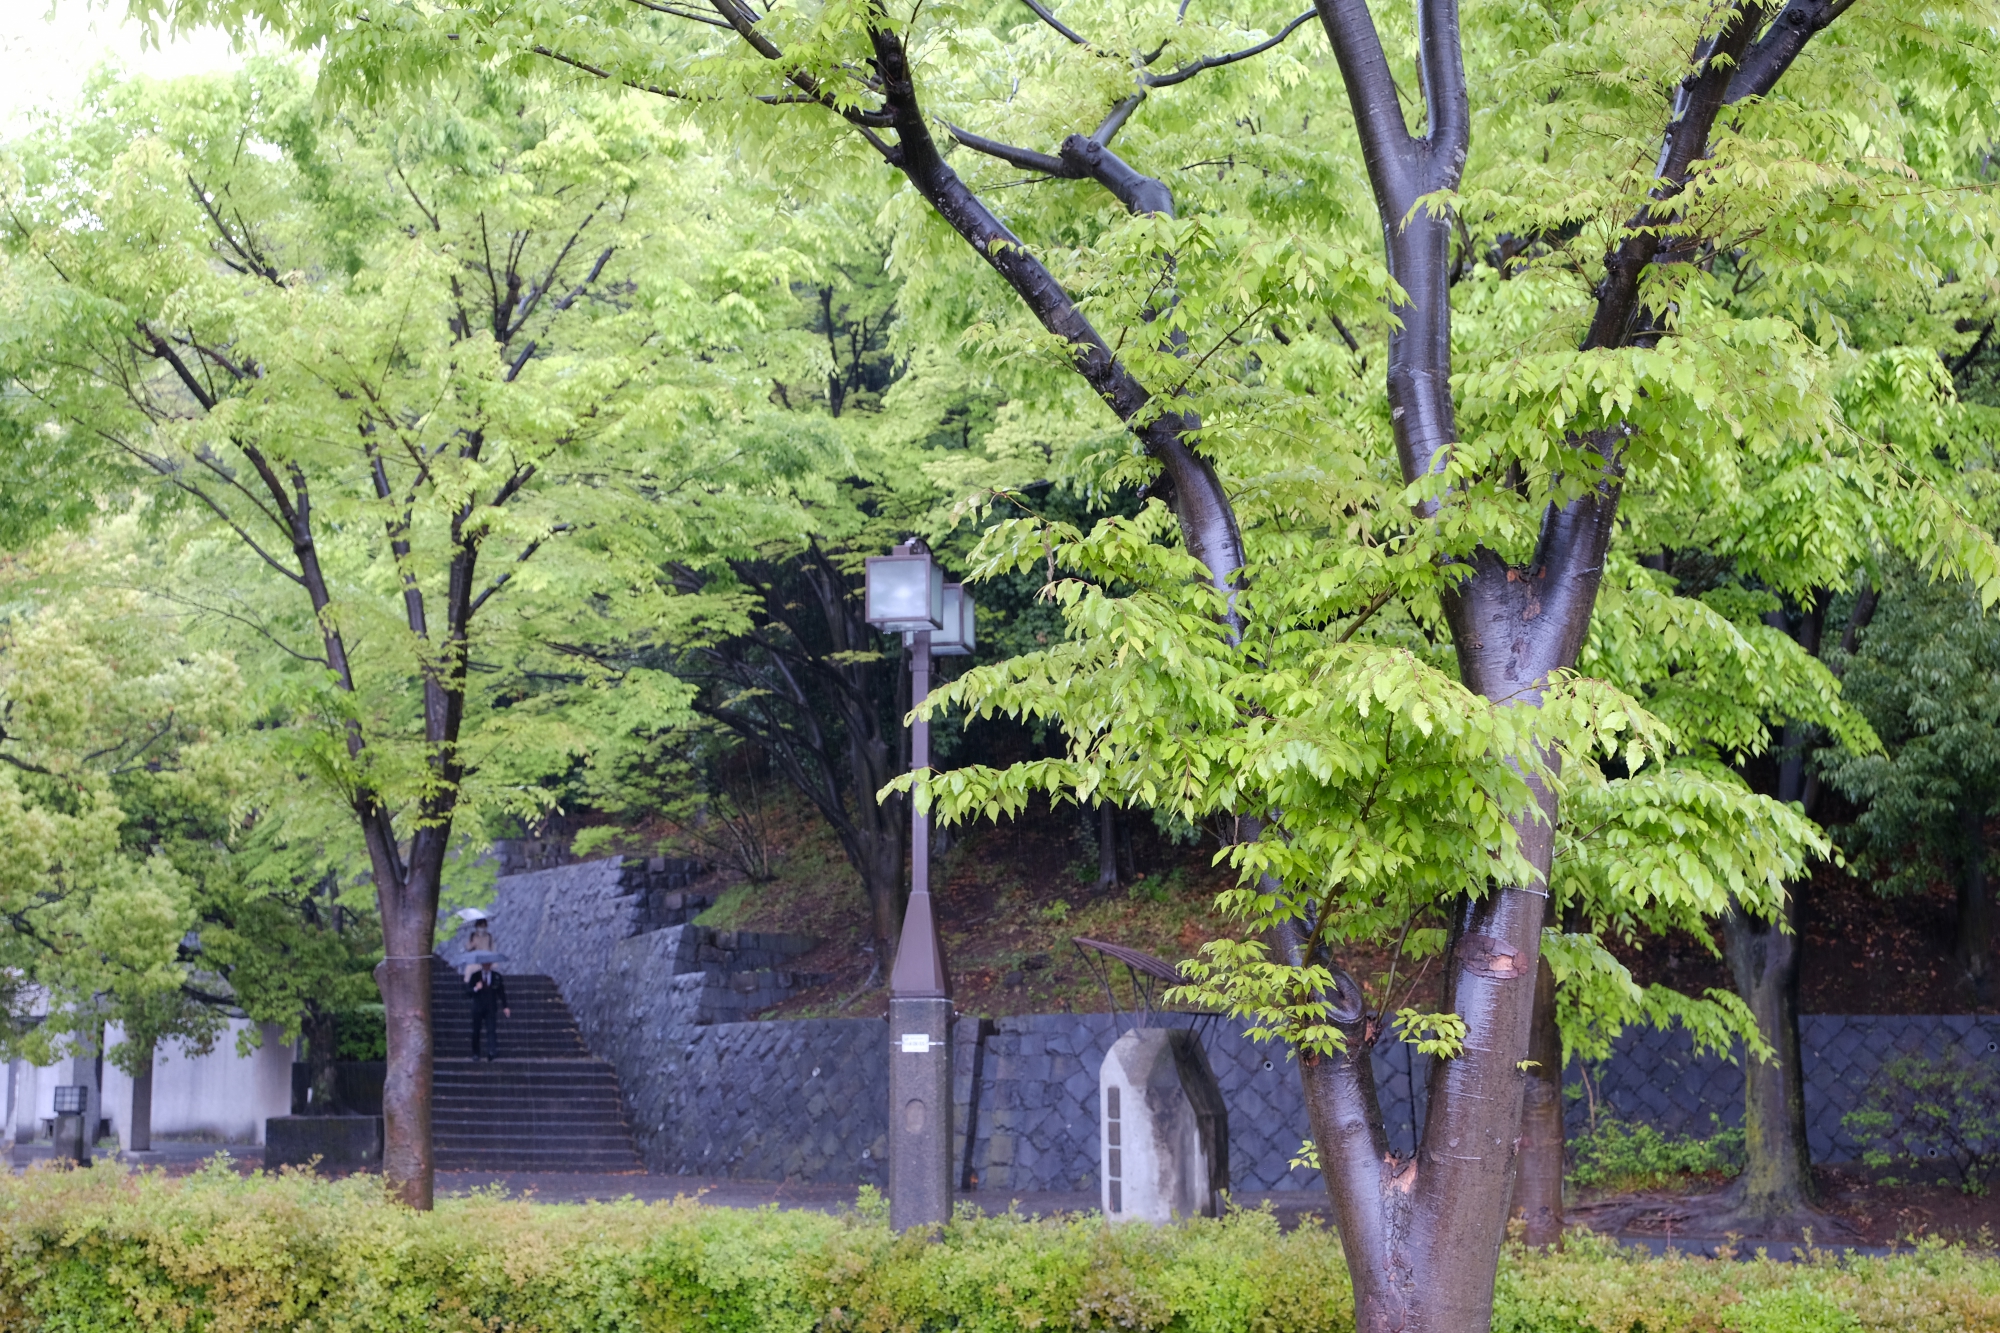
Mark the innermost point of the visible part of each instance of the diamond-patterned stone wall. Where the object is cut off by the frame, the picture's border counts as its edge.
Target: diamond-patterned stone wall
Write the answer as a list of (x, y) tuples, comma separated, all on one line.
[(1037, 1112), (1655, 1077), (806, 1100)]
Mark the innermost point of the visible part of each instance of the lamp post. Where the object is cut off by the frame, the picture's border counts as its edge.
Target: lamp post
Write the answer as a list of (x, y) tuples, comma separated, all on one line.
[(906, 593)]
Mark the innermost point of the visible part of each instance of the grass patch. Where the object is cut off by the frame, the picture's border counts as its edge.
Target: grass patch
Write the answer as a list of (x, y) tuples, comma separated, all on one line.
[(1615, 1157)]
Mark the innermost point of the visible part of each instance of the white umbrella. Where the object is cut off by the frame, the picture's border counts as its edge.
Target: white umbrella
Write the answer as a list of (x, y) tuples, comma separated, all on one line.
[(470, 914)]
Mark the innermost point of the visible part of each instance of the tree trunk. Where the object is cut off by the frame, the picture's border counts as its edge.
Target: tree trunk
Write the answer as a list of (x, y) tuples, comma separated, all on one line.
[(321, 1042), (1777, 1174), (1538, 1180), (406, 1087), (883, 878), (408, 905), (139, 1134), (1108, 877), (1422, 1236), (1975, 906)]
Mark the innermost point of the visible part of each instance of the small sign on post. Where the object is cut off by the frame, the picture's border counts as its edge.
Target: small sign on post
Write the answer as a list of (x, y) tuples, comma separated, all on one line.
[(72, 1132)]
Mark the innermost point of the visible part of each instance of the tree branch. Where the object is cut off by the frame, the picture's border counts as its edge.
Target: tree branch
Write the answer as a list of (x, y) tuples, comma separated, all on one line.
[(527, 552), (1766, 62), (1208, 522), (1186, 72), (1697, 102), (689, 14), (1042, 13), (605, 74)]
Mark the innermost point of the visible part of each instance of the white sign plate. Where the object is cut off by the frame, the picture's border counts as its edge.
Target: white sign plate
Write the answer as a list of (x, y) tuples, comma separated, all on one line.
[(916, 1043)]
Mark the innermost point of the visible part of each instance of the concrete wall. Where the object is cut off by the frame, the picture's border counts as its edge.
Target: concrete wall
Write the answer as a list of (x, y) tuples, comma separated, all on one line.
[(220, 1096)]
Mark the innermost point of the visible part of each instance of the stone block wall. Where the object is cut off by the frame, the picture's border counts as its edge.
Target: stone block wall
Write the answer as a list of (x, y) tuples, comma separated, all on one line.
[(1655, 1077), (806, 1100)]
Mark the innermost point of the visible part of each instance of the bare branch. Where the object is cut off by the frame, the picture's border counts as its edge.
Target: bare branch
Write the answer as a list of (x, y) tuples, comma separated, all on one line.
[(605, 74), (1186, 72), (679, 13), (1027, 159), (245, 249), (527, 552), (258, 627), (1115, 121), (1042, 13), (564, 303), (1081, 159), (163, 349)]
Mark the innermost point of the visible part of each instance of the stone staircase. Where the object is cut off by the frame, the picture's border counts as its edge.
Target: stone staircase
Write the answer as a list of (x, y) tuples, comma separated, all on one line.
[(544, 1105)]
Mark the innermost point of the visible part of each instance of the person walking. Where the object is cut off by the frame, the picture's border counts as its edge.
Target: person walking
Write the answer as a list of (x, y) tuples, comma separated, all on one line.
[(489, 1003), (481, 938)]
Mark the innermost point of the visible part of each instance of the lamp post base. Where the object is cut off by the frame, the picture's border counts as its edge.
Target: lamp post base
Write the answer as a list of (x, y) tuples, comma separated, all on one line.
[(919, 1113)]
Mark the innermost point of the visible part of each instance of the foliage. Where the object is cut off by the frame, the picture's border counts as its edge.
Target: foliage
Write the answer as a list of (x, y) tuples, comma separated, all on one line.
[(360, 1033), (1925, 674), (1754, 422), (153, 888), (1927, 1115), (309, 328), (91, 1251), (1612, 1155)]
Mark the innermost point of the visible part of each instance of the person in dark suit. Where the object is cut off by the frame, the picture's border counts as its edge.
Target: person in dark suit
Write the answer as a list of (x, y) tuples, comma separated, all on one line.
[(489, 1002)]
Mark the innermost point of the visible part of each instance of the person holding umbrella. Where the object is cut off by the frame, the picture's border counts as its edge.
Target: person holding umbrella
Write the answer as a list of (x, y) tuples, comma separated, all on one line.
[(489, 1004), (480, 940)]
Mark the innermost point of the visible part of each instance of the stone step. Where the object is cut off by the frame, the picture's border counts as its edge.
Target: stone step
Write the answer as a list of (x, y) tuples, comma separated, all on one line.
[(614, 1139), (606, 1140), (516, 1068), (544, 1105), (497, 1124), (542, 1156)]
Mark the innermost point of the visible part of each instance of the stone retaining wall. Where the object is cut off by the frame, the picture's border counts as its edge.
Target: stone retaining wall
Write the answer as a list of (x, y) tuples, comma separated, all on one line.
[(805, 1100)]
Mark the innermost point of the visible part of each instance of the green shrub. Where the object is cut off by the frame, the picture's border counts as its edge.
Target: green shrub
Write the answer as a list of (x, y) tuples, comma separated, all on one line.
[(1940, 1118), (361, 1033), (103, 1251), (1617, 1156)]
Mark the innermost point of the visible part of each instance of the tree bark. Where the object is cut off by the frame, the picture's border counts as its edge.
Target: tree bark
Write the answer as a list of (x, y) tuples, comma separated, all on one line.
[(1108, 875), (321, 1041), (1777, 1181), (1975, 905), (1538, 1182), (1777, 1177), (139, 1134)]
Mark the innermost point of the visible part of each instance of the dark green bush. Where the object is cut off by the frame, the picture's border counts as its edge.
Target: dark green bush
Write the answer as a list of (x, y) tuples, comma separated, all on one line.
[(106, 1252), (361, 1033), (1939, 1119), (1617, 1156)]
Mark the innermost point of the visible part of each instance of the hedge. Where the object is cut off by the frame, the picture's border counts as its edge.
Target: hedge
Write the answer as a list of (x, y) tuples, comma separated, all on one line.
[(84, 1251)]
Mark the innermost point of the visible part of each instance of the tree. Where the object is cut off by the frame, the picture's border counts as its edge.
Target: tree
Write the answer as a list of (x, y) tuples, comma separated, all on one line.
[(113, 730), (1367, 664), (413, 392), (1925, 674)]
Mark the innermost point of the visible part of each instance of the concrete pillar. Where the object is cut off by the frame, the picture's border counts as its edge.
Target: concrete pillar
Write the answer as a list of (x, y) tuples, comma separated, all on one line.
[(920, 1112), (1163, 1129)]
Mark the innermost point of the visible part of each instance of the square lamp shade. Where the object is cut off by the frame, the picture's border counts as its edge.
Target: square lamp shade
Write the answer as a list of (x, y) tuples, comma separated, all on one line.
[(904, 592), (956, 639), (72, 1098)]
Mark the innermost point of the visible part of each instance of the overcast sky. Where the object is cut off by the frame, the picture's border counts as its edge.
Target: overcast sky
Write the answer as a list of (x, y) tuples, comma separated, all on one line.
[(45, 56)]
